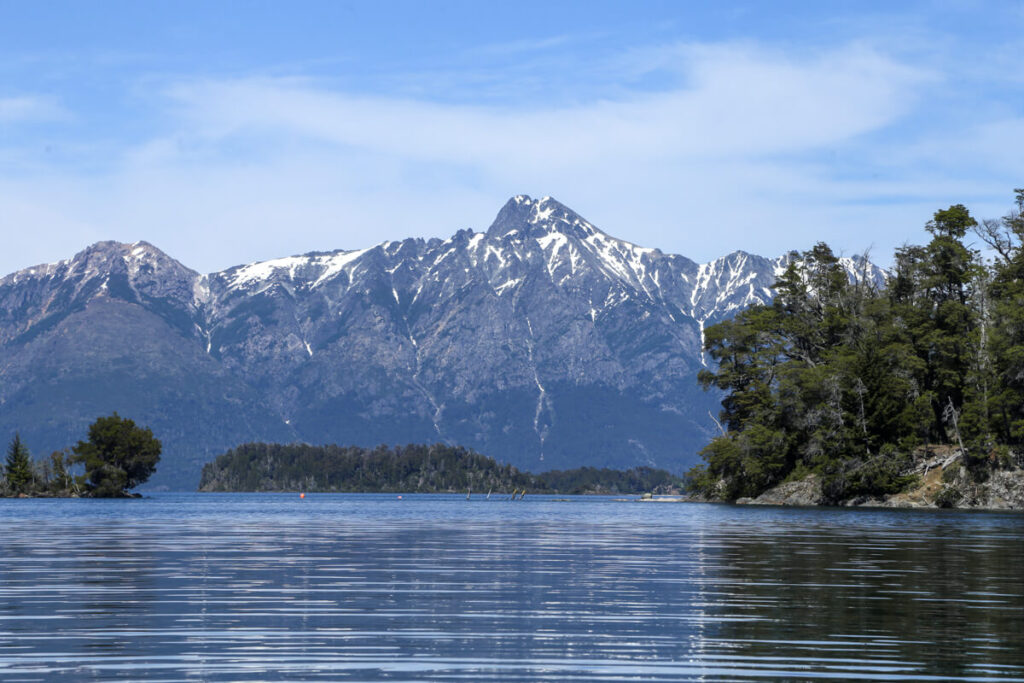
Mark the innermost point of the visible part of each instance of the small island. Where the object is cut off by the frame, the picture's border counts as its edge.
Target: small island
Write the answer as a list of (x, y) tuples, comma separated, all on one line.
[(415, 468), (116, 456)]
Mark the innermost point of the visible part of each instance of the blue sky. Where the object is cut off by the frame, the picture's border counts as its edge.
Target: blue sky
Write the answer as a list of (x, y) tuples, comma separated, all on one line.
[(236, 131)]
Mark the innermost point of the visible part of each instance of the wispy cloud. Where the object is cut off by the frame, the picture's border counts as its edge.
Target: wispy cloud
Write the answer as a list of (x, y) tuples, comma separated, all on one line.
[(30, 109), (740, 146), (528, 45), (738, 101)]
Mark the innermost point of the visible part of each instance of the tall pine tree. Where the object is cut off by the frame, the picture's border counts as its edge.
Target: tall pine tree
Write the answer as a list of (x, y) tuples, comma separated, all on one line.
[(950, 270), (1006, 405), (18, 468)]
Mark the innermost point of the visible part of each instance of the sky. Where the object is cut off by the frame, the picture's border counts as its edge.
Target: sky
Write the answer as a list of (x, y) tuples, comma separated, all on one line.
[(232, 132)]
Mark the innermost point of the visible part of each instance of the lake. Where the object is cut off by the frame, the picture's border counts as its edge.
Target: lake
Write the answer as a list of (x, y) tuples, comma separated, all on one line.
[(225, 587)]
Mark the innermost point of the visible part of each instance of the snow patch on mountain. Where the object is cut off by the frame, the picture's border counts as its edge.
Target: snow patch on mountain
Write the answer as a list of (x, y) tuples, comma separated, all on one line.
[(337, 263)]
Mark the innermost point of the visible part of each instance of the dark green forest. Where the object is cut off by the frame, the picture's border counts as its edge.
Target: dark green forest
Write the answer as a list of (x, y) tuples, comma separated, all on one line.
[(415, 468), (853, 381)]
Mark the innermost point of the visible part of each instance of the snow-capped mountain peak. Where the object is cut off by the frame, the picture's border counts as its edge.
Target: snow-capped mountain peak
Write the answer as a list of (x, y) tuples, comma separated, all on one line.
[(541, 338), (523, 216)]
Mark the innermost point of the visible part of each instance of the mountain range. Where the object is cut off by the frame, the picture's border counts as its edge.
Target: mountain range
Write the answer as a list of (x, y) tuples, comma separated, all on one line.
[(542, 342)]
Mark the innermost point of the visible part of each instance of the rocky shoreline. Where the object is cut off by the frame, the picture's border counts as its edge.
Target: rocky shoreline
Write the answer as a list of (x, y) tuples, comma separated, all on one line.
[(942, 483)]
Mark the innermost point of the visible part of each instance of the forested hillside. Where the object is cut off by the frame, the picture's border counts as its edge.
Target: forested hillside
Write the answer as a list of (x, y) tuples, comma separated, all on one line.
[(848, 379), (417, 468)]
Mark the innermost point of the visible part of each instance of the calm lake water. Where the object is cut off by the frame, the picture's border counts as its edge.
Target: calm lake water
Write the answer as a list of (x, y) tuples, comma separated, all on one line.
[(197, 587)]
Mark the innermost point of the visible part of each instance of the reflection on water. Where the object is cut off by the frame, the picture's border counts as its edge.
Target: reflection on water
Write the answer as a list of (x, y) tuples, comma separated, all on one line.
[(350, 587)]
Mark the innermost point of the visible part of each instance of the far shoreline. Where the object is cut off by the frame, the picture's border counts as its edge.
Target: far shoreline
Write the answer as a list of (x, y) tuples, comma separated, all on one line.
[(549, 497)]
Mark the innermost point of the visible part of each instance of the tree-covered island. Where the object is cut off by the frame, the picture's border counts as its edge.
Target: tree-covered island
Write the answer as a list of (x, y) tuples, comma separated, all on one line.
[(436, 468), (116, 456), (868, 391)]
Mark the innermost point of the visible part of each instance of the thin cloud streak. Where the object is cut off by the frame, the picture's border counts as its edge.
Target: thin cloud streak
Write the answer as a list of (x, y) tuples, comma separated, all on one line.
[(739, 103), (30, 109)]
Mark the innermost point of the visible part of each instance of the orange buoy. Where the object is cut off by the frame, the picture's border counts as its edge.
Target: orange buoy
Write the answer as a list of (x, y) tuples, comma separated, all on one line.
[(302, 495)]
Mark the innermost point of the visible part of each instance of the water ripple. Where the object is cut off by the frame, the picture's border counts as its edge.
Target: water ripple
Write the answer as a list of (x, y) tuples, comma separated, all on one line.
[(346, 587)]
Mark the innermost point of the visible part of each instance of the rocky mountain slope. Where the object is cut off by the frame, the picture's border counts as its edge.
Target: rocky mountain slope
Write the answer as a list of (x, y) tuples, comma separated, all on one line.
[(542, 342)]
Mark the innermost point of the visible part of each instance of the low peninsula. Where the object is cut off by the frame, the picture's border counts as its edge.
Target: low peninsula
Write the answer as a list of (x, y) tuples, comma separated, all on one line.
[(437, 468)]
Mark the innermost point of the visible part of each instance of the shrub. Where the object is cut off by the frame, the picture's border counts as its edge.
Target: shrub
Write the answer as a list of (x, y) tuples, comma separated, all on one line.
[(877, 476), (948, 497)]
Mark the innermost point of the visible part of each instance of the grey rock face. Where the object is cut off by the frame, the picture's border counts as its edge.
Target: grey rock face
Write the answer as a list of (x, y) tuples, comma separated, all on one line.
[(542, 342), (1002, 490), (805, 492)]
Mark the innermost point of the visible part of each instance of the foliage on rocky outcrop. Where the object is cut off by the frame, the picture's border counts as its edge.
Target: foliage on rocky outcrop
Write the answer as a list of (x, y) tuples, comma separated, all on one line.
[(846, 380)]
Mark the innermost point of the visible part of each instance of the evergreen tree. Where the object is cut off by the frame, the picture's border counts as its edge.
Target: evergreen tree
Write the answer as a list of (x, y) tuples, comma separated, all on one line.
[(1006, 405), (117, 456), (950, 270), (18, 468)]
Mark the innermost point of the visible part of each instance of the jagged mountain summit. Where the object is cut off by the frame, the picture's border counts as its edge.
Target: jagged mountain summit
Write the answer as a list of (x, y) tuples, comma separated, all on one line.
[(543, 342)]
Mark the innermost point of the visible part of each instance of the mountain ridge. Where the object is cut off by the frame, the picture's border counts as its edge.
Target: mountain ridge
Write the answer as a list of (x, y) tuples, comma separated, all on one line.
[(541, 337)]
